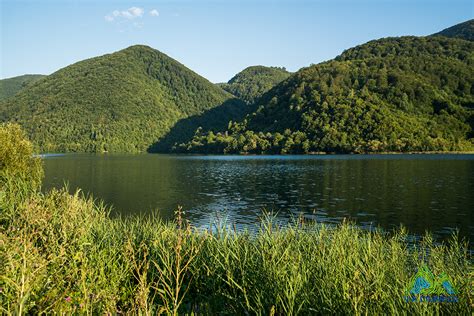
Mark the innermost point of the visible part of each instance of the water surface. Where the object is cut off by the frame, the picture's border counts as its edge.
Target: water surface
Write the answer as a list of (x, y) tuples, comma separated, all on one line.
[(422, 192)]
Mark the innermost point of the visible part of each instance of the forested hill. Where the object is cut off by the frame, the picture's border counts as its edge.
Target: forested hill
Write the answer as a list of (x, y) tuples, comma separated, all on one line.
[(252, 82), (394, 94), (120, 102), (11, 86), (463, 30)]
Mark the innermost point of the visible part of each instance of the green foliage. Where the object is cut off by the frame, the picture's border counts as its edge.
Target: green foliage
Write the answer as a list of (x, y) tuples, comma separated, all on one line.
[(252, 82), (11, 86), (395, 94), (463, 30), (121, 102), (62, 254), (16, 157)]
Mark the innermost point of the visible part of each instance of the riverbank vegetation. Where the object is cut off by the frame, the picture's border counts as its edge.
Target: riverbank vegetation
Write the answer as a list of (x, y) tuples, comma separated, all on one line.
[(62, 253)]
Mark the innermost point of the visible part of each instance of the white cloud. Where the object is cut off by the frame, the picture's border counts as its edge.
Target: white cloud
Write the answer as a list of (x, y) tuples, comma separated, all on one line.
[(135, 12), (129, 14), (154, 12)]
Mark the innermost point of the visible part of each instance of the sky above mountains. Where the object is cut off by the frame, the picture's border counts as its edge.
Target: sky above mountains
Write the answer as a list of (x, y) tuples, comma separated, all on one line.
[(216, 38)]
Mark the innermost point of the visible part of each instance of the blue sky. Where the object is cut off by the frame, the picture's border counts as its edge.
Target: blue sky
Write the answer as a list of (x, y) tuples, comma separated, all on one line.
[(216, 38)]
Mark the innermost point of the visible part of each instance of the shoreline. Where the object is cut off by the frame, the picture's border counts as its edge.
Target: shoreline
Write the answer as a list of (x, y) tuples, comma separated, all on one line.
[(58, 154)]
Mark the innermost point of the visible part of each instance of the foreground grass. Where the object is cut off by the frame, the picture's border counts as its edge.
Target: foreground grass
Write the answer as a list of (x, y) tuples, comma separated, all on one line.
[(61, 253)]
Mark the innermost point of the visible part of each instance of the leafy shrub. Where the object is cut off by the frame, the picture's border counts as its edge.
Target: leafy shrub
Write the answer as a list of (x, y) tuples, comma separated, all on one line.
[(16, 156)]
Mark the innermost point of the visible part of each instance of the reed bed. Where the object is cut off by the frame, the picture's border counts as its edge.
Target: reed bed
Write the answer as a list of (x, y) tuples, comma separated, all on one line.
[(62, 253)]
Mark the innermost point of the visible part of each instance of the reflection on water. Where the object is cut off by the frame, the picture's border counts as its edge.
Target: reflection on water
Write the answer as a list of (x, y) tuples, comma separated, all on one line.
[(422, 192)]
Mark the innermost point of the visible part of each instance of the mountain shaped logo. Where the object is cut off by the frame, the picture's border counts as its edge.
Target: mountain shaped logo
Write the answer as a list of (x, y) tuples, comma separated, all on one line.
[(424, 282)]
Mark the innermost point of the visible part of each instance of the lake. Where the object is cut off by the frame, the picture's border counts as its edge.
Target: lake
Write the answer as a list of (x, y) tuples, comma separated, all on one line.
[(422, 192)]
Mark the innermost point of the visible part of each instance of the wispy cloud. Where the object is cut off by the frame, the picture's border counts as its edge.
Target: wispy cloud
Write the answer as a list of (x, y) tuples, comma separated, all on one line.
[(129, 14), (131, 18)]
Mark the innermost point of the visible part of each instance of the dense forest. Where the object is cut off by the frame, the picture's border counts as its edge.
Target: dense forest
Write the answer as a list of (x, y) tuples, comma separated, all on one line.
[(121, 102), (394, 94), (11, 86), (463, 30), (252, 82)]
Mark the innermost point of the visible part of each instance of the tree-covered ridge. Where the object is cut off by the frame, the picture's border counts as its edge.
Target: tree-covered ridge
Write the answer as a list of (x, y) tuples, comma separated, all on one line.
[(10, 86), (463, 30), (120, 102), (395, 94), (252, 82)]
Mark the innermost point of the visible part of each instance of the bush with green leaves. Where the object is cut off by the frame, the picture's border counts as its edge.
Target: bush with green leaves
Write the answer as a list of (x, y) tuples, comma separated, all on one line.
[(16, 155)]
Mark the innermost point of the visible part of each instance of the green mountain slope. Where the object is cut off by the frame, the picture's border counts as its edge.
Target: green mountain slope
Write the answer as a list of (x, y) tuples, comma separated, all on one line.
[(394, 94), (252, 82), (121, 102), (11, 86), (463, 30)]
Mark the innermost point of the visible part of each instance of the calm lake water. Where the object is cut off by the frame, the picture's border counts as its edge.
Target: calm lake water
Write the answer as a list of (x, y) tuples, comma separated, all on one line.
[(422, 192)]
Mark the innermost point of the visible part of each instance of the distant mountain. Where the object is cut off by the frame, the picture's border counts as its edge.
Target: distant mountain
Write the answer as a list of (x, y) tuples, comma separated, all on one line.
[(463, 30), (121, 102), (394, 94), (11, 86), (252, 82)]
